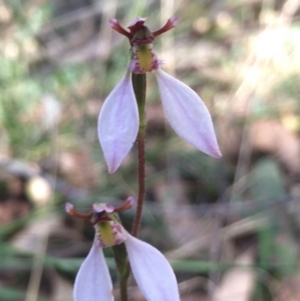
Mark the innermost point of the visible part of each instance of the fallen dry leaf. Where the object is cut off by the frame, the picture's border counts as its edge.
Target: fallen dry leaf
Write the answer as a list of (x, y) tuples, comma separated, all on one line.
[(237, 283), (272, 137)]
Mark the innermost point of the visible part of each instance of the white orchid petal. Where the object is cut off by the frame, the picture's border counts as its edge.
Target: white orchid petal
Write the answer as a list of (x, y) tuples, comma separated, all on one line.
[(152, 271), (187, 114), (118, 123), (93, 282)]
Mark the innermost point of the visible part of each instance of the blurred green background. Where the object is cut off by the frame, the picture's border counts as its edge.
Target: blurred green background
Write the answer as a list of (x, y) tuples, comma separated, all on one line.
[(230, 227)]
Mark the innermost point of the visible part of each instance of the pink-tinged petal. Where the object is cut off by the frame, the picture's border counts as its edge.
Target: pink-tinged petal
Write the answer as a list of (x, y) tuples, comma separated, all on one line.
[(152, 271), (93, 282), (187, 114), (171, 23), (100, 207), (69, 208), (136, 25), (73, 212), (117, 27), (118, 123), (131, 200)]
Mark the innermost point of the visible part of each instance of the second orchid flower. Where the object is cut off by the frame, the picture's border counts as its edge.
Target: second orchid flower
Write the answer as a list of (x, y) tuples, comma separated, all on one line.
[(118, 121), (150, 268)]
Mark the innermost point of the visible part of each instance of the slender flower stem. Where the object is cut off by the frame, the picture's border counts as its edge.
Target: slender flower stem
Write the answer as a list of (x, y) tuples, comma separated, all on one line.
[(123, 289), (123, 268), (139, 85), (141, 182)]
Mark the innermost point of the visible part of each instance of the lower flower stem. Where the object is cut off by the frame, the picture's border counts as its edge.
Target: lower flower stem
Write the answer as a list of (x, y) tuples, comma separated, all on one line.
[(123, 289), (123, 268), (139, 85), (141, 183)]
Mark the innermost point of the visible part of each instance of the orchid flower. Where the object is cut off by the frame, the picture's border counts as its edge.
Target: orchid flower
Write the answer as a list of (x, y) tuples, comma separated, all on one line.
[(151, 270), (118, 121)]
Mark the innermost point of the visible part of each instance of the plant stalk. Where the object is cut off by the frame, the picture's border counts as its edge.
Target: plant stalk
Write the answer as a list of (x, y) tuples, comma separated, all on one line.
[(123, 268), (123, 289), (139, 85)]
